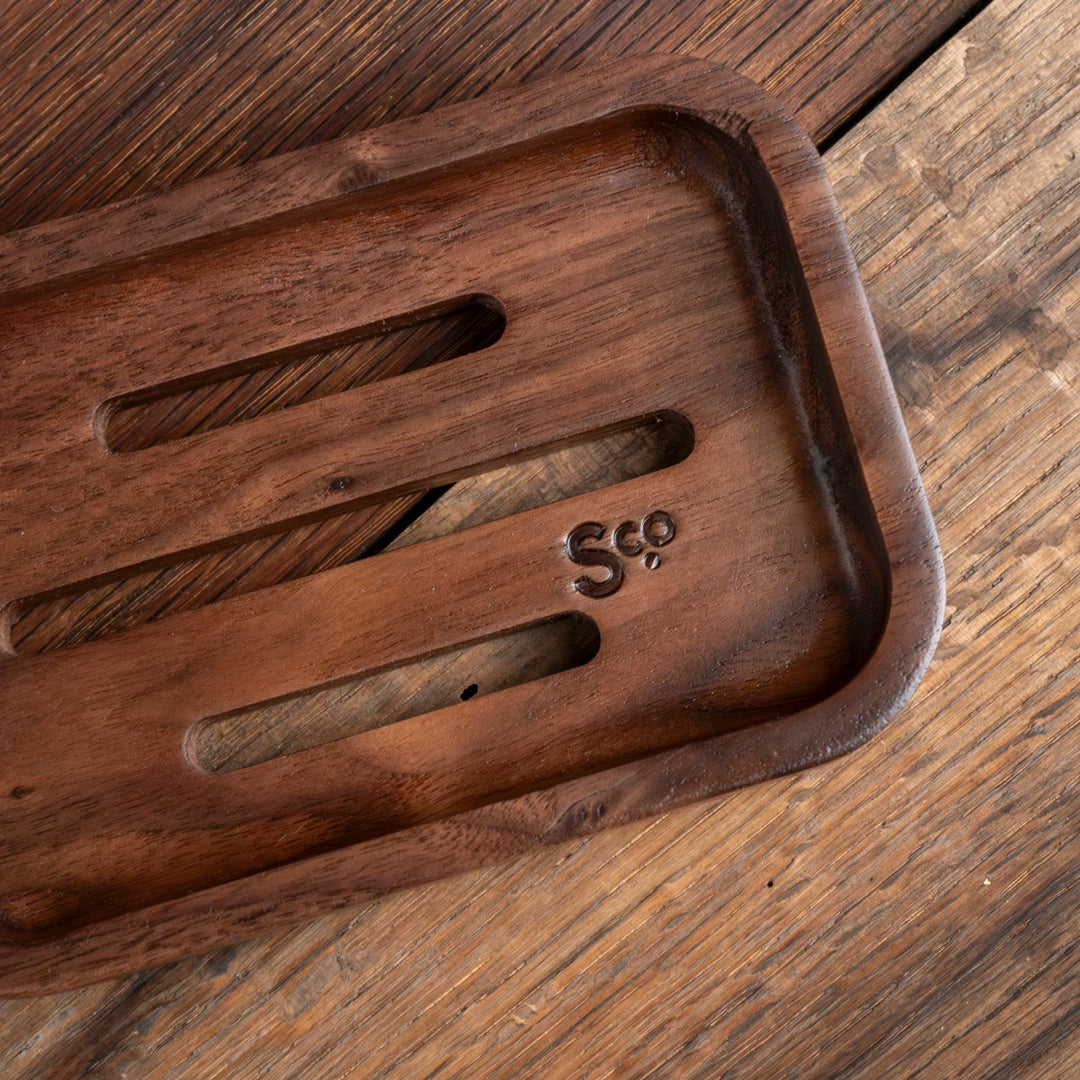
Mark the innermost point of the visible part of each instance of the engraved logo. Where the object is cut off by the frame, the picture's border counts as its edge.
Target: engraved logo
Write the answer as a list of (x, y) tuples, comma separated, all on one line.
[(628, 539)]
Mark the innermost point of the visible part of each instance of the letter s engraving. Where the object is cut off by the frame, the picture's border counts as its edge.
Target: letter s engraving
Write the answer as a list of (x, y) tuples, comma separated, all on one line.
[(583, 556), (628, 539)]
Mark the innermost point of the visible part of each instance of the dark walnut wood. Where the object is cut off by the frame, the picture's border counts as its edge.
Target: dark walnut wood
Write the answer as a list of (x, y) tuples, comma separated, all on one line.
[(558, 959), (650, 243), (192, 93)]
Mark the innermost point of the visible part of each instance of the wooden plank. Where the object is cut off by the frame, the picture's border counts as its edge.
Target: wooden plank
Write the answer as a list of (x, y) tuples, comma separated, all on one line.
[(120, 98)]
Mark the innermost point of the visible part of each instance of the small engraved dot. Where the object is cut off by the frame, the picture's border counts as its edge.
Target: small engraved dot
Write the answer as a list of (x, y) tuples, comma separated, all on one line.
[(652, 561), (341, 483), (470, 691)]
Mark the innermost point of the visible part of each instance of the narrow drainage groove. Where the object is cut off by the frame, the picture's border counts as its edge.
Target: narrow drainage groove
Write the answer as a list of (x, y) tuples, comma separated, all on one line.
[(144, 594), (269, 383), (323, 715)]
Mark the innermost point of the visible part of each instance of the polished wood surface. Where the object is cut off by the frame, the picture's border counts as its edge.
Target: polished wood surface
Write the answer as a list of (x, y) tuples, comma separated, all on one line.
[(921, 913), (659, 241)]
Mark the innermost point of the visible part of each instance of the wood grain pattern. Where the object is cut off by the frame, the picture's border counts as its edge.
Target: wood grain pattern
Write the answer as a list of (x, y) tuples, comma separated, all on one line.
[(650, 216), (39, 624), (879, 950), (190, 93), (120, 98)]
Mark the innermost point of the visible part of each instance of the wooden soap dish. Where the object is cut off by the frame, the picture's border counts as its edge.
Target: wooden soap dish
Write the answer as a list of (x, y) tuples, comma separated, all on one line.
[(650, 244)]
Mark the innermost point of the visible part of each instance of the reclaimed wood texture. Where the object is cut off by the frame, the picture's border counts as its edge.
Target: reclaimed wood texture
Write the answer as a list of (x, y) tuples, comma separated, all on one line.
[(122, 98), (921, 913)]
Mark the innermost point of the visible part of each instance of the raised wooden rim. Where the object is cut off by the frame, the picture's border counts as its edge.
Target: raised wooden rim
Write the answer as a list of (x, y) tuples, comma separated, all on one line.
[(54, 253)]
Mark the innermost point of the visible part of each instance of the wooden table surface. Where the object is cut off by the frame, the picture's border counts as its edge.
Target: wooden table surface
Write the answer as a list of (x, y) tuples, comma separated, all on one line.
[(909, 910)]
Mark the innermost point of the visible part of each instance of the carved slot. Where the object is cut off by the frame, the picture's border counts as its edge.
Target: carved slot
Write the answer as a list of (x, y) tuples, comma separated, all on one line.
[(282, 380), (147, 593), (465, 673)]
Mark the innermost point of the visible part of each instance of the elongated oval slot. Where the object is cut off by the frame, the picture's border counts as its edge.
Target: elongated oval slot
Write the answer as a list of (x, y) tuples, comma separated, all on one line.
[(281, 380), (147, 593), (275, 729)]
